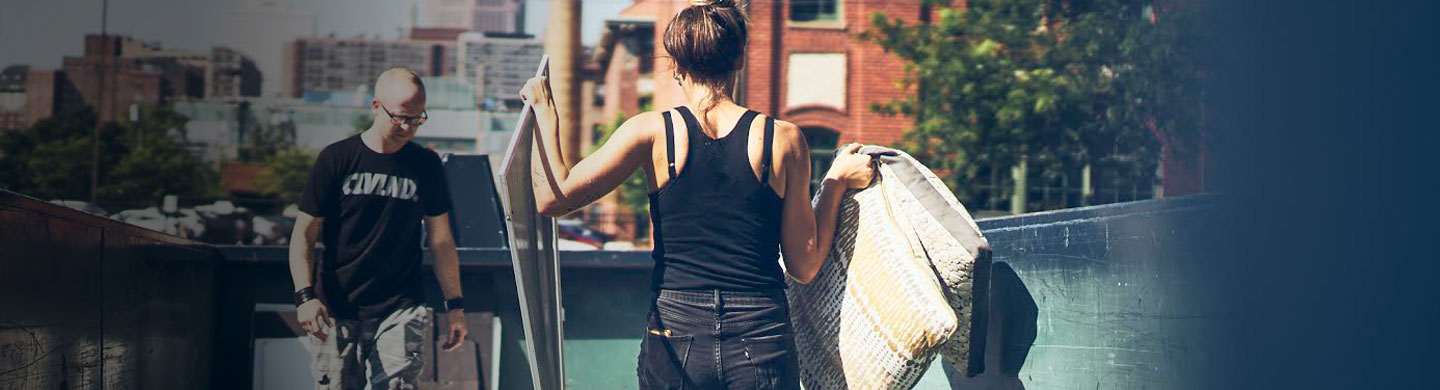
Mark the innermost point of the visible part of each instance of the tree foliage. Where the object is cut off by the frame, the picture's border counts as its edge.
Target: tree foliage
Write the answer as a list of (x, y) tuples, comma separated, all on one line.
[(1060, 84), (634, 192), (285, 174), (140, 162)]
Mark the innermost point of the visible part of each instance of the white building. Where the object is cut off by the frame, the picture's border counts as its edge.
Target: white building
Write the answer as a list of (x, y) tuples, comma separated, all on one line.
[(326, 65), (501, 16), (497, 65)]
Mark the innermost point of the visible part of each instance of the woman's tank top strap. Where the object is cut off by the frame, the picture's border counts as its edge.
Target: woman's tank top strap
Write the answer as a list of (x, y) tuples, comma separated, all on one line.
[(765, 155), (669, 144), (692, 124)]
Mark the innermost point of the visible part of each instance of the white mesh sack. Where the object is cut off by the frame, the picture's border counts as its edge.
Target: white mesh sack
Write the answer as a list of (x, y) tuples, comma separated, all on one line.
[(949, 238), (875, 313)]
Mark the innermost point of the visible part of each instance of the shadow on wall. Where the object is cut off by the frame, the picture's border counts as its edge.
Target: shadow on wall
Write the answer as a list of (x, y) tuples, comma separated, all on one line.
[(1011, 332)]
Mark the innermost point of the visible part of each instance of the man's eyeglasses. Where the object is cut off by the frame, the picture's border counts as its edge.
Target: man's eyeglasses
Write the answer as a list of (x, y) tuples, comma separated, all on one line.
[(413, 121)]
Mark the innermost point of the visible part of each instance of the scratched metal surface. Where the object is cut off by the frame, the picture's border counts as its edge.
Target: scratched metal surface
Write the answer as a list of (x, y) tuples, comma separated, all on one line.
[(92, 303), (1118, 290)]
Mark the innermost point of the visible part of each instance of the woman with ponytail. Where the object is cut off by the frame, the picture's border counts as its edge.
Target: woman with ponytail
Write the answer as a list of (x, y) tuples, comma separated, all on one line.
[(730, 192)]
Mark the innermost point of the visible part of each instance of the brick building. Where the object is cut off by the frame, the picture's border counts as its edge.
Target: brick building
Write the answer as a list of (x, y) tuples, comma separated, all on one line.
[(803, 65), (28, 95), (231, 74), (12, 97), (49, 92), (110, 79), (117, 72), (625, 64)]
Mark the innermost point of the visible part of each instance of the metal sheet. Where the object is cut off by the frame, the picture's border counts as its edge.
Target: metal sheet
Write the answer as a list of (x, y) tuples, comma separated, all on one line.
[(476, 217), (532, 250)]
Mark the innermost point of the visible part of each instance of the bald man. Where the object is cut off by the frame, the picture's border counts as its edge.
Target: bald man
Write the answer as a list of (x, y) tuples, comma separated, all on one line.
[(363, 304)]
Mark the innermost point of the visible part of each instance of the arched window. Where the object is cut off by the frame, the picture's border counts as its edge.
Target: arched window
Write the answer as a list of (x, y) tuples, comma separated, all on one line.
[(822, 143)]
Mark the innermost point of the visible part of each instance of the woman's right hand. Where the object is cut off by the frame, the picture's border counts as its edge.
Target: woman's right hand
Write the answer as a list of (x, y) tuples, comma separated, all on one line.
[(851, 168)]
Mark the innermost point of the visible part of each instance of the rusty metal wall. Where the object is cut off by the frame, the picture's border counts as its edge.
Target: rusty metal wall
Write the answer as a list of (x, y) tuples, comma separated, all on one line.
[(92, 303)]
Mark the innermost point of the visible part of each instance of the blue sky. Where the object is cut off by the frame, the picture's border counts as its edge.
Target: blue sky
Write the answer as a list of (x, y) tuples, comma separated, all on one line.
[(40, 32)]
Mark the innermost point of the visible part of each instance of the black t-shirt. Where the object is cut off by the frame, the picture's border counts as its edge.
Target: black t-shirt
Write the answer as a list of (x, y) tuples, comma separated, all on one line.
[(372, 204)]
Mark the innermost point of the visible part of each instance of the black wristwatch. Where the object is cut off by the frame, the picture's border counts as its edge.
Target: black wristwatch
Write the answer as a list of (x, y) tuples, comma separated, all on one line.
[(304, 295), (453, 304)]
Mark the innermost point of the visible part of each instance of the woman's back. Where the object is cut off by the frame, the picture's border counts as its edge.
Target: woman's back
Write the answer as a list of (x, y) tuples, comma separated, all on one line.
[(730, 192), (716, 216)]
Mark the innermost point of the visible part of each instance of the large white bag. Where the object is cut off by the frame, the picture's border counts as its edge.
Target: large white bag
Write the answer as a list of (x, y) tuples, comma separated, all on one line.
[(895, 289)]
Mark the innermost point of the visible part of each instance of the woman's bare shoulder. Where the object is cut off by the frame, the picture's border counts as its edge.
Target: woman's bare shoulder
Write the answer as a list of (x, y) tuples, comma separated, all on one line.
[(789, 140), (645, 123)]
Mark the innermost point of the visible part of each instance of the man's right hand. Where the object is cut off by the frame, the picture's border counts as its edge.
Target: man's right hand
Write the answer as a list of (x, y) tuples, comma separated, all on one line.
[(313, 315)]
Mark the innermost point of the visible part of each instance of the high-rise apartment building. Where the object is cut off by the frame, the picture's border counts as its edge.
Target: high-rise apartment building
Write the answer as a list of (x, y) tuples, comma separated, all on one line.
[(498, 65), (497, 16), (338, 65)]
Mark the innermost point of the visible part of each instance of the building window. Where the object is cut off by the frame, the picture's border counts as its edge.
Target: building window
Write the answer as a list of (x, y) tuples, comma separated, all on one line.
[(814, 10), (815, 79), (822, 143)]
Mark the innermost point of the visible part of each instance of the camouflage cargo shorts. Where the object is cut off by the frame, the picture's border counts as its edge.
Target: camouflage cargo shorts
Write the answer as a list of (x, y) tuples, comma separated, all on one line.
[(371, 354)]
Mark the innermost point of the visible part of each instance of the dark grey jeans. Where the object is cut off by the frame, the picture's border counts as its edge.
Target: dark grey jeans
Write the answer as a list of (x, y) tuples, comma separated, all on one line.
[(703, 340)]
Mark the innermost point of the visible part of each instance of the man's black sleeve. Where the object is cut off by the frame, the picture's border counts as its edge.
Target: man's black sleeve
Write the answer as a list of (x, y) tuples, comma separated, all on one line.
[(321, 192), (435, 192)]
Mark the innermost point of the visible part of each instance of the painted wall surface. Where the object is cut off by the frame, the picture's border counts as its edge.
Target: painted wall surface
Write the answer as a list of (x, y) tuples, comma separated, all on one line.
[(1118, 292), (89, 303)]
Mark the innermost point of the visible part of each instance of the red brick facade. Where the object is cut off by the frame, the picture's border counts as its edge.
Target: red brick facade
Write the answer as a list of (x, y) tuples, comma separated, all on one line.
[(871, 75), (110, 81)]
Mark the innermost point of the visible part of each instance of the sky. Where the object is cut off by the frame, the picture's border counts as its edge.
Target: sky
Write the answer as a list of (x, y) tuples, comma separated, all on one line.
[(40, 32)]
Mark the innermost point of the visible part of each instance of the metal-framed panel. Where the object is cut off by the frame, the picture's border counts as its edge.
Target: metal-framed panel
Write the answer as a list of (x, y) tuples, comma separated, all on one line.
[(532, 250)]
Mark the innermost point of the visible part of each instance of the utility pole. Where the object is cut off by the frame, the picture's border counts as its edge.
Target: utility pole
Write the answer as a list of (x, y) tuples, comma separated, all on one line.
[(99, 102), (562, 44)]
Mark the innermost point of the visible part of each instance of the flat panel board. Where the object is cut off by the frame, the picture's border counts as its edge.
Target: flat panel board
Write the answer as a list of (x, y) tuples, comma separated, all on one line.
[(532, 250), (476, 217)]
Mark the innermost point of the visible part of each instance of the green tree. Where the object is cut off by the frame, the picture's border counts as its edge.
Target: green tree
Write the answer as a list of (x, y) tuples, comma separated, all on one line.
[(157, 161), (51, 159), (634, 192), (265, 133), (285, 174), (1054, 84), (140, 162)]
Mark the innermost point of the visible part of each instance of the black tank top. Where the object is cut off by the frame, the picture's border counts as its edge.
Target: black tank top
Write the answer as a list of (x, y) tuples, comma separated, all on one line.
[(717, 225)]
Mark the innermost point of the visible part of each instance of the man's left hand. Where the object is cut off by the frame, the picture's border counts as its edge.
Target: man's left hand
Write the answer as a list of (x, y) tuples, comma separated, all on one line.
[(457, 332)]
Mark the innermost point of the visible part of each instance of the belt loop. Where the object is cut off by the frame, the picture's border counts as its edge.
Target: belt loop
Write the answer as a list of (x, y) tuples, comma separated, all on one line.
[(719, 302), (719, 313)]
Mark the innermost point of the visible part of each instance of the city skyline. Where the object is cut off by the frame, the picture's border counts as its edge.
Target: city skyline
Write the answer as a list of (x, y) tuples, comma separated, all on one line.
[(192, 25)]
